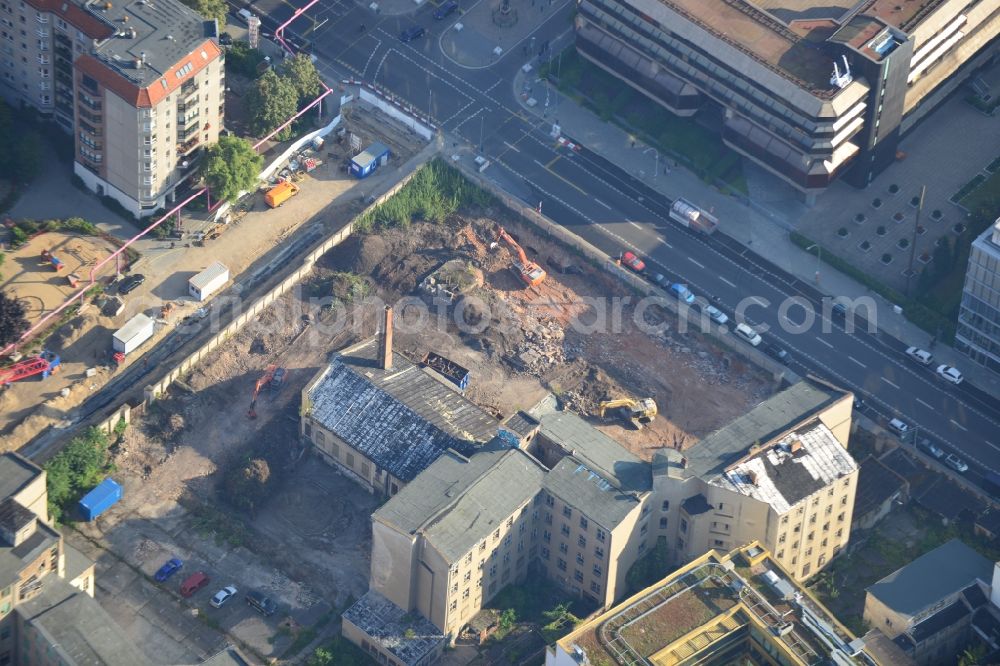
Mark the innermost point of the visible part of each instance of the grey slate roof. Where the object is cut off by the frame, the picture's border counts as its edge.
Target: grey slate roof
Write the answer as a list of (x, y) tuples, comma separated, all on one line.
[(16, 471), (76, 626), (457, 501), (387, 624), (14, 560), (876, 484), (946, 570), (13, 516), (763, 423), (599, 477), (402, 418)]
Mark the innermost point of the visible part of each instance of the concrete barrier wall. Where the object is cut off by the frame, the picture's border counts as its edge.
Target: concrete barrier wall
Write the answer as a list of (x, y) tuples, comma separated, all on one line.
[(393, 111)]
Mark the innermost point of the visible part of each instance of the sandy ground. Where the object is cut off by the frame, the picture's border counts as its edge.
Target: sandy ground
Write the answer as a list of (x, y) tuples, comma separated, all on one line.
[(85, 342)]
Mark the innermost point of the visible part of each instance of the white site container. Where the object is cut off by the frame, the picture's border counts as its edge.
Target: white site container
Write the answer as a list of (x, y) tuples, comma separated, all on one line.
[(129, 337), (209, 281)]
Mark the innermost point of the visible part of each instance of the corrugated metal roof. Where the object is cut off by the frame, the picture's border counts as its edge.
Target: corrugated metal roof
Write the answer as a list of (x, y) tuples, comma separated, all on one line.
[(370, 154), (710, 456), (204, 278), (133, 327), (401, 419)]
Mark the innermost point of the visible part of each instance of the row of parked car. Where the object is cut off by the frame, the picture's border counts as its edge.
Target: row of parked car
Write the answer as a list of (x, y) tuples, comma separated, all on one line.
[(681, 291), (198, 580), (926, 359)]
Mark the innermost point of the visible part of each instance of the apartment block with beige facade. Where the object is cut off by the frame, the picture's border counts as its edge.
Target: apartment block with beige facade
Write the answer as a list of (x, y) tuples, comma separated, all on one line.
[(140, 84), (780, 474), (47, 611)]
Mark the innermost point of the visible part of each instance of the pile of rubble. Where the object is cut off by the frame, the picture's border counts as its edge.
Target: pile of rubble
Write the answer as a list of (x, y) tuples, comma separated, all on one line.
[(540, 350)]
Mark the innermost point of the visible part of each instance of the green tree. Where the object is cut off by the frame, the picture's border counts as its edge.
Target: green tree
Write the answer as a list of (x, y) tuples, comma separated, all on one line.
[(507, 620), (76, 470), (13, 321), (242, 59), (209, 9), (301, 72), (272, 100), (230, 166), (973, 656)]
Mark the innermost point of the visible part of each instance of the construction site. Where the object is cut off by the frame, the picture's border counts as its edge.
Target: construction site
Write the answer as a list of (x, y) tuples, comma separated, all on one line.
[(244, 240)]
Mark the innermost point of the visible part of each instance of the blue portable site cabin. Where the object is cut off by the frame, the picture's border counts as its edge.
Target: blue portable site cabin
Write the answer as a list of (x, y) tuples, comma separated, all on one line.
[(100, 499), (370, 159)]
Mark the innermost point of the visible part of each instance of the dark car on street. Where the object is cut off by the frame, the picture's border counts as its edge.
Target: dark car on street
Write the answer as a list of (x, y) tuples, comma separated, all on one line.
[(778, 354), (172, 566), (412, 33), (445, 10), (131, 283)]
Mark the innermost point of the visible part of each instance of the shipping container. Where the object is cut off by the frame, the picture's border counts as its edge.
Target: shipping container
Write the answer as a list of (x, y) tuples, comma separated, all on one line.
[(100, 499), (129, 337), (209, 281), (281, 193), (370, 159)]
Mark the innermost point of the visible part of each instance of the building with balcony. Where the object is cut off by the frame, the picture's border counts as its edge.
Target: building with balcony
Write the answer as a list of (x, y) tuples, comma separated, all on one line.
[(48, 614), (978, 333), (809, 90), (140, 85), (721, 608)]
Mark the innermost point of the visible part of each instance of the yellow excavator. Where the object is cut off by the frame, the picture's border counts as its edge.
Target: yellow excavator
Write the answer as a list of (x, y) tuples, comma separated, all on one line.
[(637, 412)]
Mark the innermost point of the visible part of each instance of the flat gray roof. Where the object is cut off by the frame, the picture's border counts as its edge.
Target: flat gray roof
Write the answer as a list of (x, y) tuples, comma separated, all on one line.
[(16, 472), (77, 627), (14, 560), (401, 418), (779, 413), (946, 570), (458, 501)]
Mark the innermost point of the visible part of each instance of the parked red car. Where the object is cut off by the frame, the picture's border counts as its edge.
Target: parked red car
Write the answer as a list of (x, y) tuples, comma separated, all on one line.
[(193, 583), (633, 262)]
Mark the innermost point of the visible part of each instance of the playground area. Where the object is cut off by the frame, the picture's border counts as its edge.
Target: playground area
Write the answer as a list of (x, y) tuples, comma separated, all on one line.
[(37, 281)]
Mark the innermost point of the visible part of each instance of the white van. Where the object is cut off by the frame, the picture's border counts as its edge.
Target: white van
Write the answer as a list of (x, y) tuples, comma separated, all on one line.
[(748, 334), (900, 428), (245, 14)]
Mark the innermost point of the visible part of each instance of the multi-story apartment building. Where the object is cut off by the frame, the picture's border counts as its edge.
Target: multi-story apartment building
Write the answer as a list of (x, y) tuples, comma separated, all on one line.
[(47, 611), (780, 474), (807, 90), (721, 608), (140, 84), (978, 333)]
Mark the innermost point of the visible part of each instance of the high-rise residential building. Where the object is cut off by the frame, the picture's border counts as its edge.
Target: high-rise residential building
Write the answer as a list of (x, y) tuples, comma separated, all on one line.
[(48, 615), (808, 90), (140, 84), (978, 333), (780, 474), (736, 607)]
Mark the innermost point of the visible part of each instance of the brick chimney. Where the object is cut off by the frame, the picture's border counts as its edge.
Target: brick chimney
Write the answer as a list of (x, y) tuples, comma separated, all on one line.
[(385, 340)]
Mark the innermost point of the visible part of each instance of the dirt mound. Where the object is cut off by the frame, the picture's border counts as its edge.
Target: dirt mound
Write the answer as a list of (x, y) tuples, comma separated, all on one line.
[(71, 331), (372, 251)]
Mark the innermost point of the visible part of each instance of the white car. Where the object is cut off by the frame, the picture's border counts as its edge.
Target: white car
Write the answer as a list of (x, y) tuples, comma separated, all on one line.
[(716, 315), (748, 334), (956, 463), (950, 374), (222, 596), (919, 355)]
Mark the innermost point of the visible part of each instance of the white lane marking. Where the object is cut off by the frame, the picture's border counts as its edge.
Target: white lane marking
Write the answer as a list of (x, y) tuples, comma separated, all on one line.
[(603, 204), (957, 424), (888, 382), (696, 263), (993, 445), (857, 361), (669, 245), (511, 146), (924, 404), (758, 300), (821, 340), (727, 282), (637, 226)]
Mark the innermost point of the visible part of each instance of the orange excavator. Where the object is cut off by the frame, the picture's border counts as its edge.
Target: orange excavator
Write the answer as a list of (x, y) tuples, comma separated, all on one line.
[(530, 273), (264, 380)]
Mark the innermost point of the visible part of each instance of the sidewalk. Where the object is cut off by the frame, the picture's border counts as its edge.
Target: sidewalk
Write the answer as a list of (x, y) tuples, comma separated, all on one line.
[(763, 226)]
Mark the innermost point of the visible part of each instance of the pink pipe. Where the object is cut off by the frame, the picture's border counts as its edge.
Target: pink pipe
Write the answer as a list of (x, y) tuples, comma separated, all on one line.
[(288, 122), (27, 335)]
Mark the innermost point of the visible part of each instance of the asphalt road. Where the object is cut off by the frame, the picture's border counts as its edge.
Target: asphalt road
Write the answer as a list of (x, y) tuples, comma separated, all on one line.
[(615, 212)]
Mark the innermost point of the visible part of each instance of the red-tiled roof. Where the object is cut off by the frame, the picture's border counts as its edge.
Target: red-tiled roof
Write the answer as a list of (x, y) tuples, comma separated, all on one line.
[(151, 95), (76, 16)]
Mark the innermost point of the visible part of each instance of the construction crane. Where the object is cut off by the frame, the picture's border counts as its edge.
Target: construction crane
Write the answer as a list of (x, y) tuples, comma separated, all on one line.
[(264, 380), (530, 273), (45, 364), (637, 412)]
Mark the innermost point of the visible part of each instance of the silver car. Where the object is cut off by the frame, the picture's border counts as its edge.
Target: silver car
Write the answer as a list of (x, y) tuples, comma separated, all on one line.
[(222, 596)]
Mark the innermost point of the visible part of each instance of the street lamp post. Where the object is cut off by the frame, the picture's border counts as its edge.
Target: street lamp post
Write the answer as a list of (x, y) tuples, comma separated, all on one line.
[(656, 163), (819, 257), (482, 125)]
